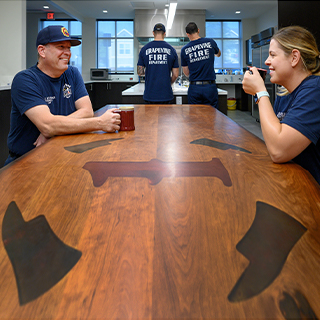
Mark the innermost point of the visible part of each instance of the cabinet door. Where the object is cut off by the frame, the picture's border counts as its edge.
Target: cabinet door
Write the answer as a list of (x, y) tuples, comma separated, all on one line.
[(5, 111), (116, 88), (102, 94), (90, 89)]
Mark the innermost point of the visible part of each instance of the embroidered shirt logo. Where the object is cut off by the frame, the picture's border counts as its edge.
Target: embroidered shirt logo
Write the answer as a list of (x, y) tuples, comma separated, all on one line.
[(48, 100), (281, 115), (67, 91)]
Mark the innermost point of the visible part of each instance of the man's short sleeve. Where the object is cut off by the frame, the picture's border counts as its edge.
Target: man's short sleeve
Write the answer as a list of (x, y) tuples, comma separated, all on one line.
[(25, 92)]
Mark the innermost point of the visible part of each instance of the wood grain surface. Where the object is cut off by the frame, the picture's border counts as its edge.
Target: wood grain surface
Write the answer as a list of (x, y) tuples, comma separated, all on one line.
[(175, 249)]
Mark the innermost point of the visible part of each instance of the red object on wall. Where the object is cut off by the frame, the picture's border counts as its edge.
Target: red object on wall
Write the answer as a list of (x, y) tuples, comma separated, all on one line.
[(50, 16)]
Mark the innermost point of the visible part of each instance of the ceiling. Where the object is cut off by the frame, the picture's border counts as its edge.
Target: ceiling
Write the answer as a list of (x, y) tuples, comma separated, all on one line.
[(124, 9)]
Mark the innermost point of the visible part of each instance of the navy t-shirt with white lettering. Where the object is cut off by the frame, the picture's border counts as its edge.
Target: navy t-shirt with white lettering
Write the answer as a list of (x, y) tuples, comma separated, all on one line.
[(198, 55), (158, 58), (31, 88)]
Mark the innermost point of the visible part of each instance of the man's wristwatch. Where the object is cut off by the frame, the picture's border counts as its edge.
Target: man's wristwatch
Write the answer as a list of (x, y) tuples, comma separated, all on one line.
[(260, 94)]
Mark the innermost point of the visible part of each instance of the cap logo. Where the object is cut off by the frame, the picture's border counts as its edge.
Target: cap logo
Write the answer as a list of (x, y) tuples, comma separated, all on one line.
[(65, 32)]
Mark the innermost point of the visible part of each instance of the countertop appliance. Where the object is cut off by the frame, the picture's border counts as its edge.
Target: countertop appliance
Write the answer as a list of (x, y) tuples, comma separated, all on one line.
[(260, 52), (99, 74)]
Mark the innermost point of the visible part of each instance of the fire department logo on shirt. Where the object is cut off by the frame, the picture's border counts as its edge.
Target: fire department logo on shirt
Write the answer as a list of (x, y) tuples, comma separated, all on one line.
[(67, 91), (65, 32)]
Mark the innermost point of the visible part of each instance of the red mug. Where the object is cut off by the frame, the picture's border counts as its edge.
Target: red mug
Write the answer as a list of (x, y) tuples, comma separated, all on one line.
[(127, 118)]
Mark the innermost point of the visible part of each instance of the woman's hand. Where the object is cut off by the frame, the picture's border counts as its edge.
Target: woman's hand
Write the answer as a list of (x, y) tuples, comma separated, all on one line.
[(252, 82)]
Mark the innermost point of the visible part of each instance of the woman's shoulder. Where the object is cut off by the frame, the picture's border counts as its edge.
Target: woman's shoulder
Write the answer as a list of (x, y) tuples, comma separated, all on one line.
[(313, 80), (308, 85)]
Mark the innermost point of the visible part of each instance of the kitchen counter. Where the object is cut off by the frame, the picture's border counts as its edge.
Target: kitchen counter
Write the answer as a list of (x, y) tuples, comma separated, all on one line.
[(229, 79), (135, 95), (7, 87), (138, 90)]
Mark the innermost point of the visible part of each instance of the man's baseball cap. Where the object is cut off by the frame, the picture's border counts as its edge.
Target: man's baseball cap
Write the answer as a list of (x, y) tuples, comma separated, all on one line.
[(55, 34), (159, 27)]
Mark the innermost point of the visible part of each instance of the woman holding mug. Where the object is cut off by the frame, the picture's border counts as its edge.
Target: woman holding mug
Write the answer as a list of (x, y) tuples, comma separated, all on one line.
[(291, 129)]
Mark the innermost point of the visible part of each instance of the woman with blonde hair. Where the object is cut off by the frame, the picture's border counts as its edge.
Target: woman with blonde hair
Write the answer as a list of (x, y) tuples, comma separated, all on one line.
[(291, 129)]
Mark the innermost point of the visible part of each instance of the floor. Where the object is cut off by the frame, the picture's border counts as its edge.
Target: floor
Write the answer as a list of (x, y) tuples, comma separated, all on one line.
[(245, 119)]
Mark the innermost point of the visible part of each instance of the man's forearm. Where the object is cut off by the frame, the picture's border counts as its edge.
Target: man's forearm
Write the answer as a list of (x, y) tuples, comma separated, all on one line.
[(82, 113), (175, 74), (83, 108), (141, 71), (52, 125), (62, 125)]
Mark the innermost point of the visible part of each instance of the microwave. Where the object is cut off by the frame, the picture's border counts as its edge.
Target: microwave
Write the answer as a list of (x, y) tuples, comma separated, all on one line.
[(99, 74)]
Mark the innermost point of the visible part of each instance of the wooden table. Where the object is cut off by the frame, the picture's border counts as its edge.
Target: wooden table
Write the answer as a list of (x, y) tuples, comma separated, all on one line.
[(185, 217)]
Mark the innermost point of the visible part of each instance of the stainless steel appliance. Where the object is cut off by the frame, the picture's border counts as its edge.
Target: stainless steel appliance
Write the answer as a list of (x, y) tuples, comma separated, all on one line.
[(99, 74), (260, 52)]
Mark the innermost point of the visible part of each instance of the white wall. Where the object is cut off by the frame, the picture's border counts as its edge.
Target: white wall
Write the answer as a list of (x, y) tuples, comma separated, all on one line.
[(89, 50), (249, 28), (267, 20), (32, 31), (12, 39)]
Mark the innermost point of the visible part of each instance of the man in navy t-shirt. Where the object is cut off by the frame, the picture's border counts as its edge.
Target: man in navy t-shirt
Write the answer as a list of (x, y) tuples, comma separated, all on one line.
[(158, 61), (50, 98), (197, 60)]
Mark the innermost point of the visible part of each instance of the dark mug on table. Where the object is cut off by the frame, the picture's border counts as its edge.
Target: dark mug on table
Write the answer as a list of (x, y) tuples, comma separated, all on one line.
[(126, 117)]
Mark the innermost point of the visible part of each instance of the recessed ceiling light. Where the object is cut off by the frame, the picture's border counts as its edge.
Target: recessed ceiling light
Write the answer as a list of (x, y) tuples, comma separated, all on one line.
[(45, 7), (166, 5), (237, 12), (105, 11)]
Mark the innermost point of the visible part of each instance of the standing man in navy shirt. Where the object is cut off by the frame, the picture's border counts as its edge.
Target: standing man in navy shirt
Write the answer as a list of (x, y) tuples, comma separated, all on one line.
[(197, 60), (158, 61)]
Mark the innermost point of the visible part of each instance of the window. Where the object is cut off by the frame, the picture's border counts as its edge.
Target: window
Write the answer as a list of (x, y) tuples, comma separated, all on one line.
[(115, 45), (227, 36), (75, 30)]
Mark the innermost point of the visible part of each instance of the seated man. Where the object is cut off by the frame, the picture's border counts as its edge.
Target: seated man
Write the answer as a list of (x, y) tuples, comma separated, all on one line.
[(50, 98)]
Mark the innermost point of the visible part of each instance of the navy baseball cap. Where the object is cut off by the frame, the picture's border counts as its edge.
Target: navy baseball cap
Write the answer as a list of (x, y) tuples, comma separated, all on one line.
[(159, 27), (55, 34)]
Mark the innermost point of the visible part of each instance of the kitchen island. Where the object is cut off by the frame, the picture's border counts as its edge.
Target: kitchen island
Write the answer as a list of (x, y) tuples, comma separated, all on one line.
[(186, 217), (135, 95)]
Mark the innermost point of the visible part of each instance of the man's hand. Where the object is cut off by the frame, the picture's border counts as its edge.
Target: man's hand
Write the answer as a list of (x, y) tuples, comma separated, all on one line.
[(41, 140), (110, 120)]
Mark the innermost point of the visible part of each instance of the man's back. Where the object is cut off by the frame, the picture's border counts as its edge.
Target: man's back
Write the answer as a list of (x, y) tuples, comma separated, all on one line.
[(158, 58), (198, 55)]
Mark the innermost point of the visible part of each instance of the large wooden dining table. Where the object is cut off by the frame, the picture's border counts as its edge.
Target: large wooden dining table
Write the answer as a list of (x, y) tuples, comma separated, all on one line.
[(185, 217)]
